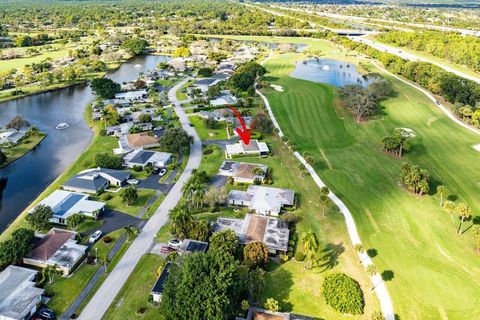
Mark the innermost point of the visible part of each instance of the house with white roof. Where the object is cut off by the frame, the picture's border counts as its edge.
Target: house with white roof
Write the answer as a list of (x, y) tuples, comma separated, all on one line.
[(66, 203), (57, 248), (132, 95), (254, 148), (19, 296), (255, 228), (11, 136), (224, 98), (143, 158), (262, 200), (205, 83)]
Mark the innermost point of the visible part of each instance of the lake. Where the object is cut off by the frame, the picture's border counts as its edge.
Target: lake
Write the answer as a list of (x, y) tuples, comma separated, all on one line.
[(23, 180), (334, 72)]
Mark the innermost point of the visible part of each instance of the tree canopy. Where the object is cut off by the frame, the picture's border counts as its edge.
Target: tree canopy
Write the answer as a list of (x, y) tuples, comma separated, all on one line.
[(39, 219), (343, 294), (104, 87), (176, 140), (135, 46)]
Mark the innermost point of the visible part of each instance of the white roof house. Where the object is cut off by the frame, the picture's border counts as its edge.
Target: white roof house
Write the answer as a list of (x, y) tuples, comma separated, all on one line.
[(11, 136), (262, 200), (271, 231), (142, 158), (225, 98), (18, 295), (132, 95), (65, 203), (253, 148)]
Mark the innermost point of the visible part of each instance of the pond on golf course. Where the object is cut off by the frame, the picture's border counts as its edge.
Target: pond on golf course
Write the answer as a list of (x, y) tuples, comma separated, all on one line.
[(334, 72), (24, 179)]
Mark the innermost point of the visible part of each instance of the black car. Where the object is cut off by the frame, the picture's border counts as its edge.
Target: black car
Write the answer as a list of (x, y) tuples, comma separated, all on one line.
[(43, 313)]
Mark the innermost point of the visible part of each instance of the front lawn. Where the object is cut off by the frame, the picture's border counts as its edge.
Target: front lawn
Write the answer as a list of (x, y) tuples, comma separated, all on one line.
[(219, 133), (212, 158), (116, 203)]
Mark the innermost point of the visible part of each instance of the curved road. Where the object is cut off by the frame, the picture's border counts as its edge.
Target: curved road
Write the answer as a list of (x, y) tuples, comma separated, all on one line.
[(380, 288), (104, 296)]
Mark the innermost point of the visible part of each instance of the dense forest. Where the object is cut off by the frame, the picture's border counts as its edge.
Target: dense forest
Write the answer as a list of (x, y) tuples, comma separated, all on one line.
[(453, 47)]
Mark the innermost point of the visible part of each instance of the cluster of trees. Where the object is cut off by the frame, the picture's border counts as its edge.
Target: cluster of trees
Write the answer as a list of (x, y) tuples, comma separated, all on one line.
[(15, 248), (181, 52), (27, 41), (110, 161), (450, 46), (104, 87), (396, 142), (39, 219), (364, 101), (135, 46), (244, 77), (415, 178), (176, 140), (3, 157), (343, 294), (453, 88)]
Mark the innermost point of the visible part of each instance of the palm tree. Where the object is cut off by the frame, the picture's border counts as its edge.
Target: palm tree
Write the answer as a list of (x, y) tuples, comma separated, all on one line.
[(105, 260), (371, 271), (442, 192), (476, 235), (464, 212), (324, 190), (323, 200), (310, 246), (49, 271), (130, 231), (450, 207)]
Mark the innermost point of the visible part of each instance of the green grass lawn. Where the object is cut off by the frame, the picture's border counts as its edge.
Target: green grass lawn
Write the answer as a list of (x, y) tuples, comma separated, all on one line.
[(205, 133), (136, 291), (116, 203), (23, 147), (212, 160), (182, 95), (413, 237)]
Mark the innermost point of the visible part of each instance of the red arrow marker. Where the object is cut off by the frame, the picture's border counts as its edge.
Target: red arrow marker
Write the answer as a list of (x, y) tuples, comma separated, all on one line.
[(244, 133)]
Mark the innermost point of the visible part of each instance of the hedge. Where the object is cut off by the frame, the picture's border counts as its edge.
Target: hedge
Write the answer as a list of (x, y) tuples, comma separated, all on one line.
[(343, 294)]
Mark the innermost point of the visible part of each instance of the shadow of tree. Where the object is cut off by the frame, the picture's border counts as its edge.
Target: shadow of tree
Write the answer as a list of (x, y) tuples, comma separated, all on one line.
[(331, 252), (278, 285)]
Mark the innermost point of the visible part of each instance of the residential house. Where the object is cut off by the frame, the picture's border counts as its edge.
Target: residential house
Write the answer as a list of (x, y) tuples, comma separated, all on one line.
[(11, 136), (205, 83), (159, 285), (217, 114), (271, 231), (189, 246), (65, 203), (225, 98), (243, 172), (220, 76), (262, 200), (226, 67), (262, 314), (254, 148), (132, 95), (178, 64), (134, 141), (143, 158), (96, 180), (57, 248), (18, 295)]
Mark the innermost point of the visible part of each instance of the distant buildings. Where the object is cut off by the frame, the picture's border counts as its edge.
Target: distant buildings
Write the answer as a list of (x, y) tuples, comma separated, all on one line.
[(11, 136), (262, 200), (57, 248), (255, 228), (243, 172), (65, 203), (18, 295), (132, 95), (143, 158), (254, 148), (96, 180)]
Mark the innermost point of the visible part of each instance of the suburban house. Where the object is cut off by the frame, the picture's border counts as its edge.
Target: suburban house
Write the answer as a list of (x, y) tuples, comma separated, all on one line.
[(254, 148), (220, 76), (204, 83), (271, 231), (225, 98), (262, 314), (226, 67), (96, 180), (218, 114), (18, 295), (143, 158), (243, 172), (57, 248), (11, 136), (132, 95), (140, 140), (65, 203), (157, 289), (262, 200)]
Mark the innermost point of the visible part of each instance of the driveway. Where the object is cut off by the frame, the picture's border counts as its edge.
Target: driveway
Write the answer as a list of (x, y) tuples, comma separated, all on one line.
[(218, 181), (152, 183), (221, 143), (114, 220)]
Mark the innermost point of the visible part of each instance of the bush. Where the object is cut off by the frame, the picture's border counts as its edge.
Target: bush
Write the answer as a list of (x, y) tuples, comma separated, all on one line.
[(208, 151), (102, 132), (343, 294), (107, 196), (140, 310), (137, 168), (299, 256), (107, 239)]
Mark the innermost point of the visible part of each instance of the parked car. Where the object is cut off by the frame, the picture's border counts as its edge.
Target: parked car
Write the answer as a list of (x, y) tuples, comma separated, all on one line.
[(162, 172), (191, 125), (167, 250), (174, 243), (95, 236), (43, 313), (132, 181)]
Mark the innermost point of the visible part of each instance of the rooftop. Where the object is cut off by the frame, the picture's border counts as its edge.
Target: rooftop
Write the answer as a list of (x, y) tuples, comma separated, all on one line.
[(136, 140), (206, 81), (240, 147), (159, 285), (64, 203)]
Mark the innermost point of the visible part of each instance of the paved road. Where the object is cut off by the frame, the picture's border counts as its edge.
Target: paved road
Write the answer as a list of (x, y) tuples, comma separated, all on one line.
[(380, 288), (413, 57), (104, 296)]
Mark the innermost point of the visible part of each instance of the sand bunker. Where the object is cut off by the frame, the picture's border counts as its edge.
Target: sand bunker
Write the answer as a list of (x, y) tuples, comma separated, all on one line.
[(277, 87)]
